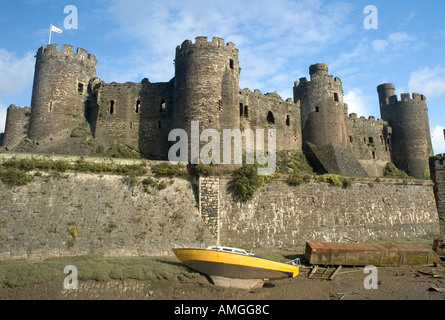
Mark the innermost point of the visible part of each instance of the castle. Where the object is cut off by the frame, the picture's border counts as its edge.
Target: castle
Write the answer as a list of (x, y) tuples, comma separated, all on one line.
[(66, 93)]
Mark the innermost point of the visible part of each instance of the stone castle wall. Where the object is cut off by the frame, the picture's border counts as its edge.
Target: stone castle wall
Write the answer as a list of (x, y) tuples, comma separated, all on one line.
[(84, 213), (280, 215)]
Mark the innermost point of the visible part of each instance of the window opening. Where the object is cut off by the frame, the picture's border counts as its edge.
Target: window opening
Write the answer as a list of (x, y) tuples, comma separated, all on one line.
[(270, 118), (112, 107), (138, 106)]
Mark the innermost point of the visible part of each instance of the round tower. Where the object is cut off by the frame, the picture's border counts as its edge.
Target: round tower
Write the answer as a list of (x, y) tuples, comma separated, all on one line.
[(60, 89), (17, 122), (206, 86), (322, 108), (385, 91), (411, 144)]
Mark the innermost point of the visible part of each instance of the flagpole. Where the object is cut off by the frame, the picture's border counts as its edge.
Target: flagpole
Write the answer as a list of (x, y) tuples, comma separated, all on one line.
[(50, 29)]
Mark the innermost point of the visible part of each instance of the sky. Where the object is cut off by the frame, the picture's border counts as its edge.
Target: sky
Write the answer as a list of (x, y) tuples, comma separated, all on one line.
[(397, 42)]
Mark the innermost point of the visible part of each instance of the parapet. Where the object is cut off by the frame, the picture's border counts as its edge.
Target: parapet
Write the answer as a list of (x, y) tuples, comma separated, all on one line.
[(66, 50), (202, 42), (318, 68), (438, 162), (406, 97)]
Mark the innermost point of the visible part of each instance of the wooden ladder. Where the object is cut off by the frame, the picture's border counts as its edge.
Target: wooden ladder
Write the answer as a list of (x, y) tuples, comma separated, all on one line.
[(327, 273)]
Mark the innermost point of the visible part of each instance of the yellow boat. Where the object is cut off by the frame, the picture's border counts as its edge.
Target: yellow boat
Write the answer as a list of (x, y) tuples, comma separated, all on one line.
[(234, 267)]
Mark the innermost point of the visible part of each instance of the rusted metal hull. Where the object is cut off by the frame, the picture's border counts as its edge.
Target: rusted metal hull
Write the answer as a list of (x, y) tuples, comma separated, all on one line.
[(363, 254)]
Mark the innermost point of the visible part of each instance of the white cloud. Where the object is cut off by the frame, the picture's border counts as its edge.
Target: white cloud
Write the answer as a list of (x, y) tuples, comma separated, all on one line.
[(16, 73), (400, 37), (3, 110), (379, 45), (438, 140), (357, 102), (269, 34), (429, 82)]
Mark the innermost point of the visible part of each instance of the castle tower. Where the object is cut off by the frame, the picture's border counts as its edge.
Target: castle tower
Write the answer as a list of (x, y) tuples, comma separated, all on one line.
[(60, 89), (322, 109), (411, 137), (17, 122), (206, 86)]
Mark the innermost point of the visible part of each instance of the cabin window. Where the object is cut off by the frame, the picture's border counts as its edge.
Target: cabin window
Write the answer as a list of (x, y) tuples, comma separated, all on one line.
[(270, 118), (80, 87), (137, 107), (112, 107)]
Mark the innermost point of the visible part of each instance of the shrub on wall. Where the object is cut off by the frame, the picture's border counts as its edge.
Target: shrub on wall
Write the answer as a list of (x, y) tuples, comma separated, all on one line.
[(247, 181), (392, 172)]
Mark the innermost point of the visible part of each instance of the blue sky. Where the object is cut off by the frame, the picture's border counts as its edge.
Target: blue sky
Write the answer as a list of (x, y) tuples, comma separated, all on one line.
[(277, 41)]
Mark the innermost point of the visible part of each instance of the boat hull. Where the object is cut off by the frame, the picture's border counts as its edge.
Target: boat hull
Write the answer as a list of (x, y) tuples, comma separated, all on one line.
[(234, 266)]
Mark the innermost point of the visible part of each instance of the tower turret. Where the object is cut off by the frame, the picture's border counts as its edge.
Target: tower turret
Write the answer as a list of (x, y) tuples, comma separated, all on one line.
[(60, 89), (322, 108), (206, 85), (411, 137)]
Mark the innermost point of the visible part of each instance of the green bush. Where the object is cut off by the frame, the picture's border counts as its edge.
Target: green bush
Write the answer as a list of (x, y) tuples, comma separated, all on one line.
[(205, 169), (392, 172), (335, 180), (168, 169), (247, 181), (15, 177)]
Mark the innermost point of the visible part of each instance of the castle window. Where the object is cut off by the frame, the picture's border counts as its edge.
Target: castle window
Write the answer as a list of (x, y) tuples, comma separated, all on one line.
[(231, 63), (138, 106), (336, 96), (241, 110), (159, 125), (270, 118), (131, 125), (163, 105), (351, 140), (112, 107), (220, 106), (373, 155), (50, 107), (371, 140), (317, 109), (246, 111), (80, 87), (288, 120)]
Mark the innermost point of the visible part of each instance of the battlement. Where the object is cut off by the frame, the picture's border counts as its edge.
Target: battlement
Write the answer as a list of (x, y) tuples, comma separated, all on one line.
[(439, 161), (202, 42), (66, 50), (370, 119), (406, 97)]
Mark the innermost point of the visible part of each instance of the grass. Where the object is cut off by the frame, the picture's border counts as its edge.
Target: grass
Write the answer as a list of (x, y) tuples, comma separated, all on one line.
[(17, 273), (93, 267)]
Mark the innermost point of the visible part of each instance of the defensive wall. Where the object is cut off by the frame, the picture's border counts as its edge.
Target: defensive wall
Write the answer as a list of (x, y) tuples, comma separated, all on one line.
[(86, 213)]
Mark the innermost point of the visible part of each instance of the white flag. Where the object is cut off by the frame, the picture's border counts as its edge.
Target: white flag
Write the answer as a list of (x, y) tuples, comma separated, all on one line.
[(55, 29)]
